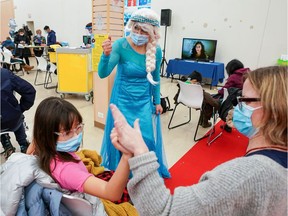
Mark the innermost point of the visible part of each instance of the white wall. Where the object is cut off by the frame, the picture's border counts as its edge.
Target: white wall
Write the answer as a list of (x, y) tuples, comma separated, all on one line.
[(254, 31), (66, 17)]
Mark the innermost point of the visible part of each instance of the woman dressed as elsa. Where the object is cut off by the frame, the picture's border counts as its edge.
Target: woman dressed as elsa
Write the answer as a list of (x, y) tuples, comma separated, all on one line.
[(136, 90)]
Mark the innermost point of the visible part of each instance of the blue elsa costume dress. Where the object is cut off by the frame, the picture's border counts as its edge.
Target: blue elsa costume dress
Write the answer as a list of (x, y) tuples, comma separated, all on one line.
[(132, 93)]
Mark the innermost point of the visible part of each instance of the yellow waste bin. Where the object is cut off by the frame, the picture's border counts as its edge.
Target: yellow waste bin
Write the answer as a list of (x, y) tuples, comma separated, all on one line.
[(74, 72)]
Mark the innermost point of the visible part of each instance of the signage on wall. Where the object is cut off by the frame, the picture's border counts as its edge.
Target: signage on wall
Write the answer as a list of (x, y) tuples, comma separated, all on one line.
[(96, 45), (99, 22), (130, 6), (116, 5)]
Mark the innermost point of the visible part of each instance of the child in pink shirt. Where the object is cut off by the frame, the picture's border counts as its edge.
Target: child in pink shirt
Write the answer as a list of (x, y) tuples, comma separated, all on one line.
[(57, 136)]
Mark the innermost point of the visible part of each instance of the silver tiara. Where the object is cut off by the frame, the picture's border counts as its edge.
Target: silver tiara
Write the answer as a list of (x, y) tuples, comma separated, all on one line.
[(142, 19)]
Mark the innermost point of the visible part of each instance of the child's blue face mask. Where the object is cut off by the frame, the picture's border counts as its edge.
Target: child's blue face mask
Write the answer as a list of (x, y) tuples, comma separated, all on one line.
[(70, 145)]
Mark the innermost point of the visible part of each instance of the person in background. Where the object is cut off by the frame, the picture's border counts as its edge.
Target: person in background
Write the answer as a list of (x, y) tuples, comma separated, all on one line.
[(209, 105), (51, 38), (198, 51), (57, 135), (255, 184), (7, 42), (137, 84), (88, 27), (12, 27), (12, 117), (21, 40), (39, 40), (235, 70), (9, 51)]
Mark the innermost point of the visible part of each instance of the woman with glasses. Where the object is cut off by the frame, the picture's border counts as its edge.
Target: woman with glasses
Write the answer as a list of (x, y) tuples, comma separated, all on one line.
[(136, 89), (255, 184), (57, 135)]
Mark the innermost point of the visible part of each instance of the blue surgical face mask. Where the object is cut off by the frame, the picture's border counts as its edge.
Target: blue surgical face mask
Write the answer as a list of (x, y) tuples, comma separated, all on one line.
[(70, 145), (139, 39), (242, 120)]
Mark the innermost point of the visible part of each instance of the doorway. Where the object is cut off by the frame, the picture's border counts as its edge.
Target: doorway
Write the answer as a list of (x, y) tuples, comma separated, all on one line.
[(30, 25)]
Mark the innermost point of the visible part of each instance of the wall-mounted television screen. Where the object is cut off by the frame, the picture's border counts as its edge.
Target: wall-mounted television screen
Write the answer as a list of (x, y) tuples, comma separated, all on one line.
[(198, 49)]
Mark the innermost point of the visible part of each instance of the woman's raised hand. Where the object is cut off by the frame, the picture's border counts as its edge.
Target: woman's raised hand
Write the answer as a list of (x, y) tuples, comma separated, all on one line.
[(107, 46), (125, 138)]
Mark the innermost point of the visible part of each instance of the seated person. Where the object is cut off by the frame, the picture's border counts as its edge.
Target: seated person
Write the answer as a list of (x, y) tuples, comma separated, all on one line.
[(9, 50), (21, 40), (39, 40), (7, 42), (235, 70), (208, 103), (12, 117), (57, 135)]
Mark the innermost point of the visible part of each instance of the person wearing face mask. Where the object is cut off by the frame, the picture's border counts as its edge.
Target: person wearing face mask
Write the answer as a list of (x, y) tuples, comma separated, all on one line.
[(13, 108), (255, 184), (136, 89), (51, 37), (21, 40), (39, 40), (57, 135)]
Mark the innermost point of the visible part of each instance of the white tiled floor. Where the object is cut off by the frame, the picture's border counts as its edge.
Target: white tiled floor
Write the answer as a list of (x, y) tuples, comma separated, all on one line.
[(176, 141)]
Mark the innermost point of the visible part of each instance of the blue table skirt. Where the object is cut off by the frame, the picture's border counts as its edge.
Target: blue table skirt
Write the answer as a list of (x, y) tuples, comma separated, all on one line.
[(212, 70)]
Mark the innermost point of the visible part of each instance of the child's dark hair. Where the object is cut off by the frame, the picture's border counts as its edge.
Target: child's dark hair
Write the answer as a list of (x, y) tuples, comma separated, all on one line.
[(51, 114), (233, 65), (196, 75)]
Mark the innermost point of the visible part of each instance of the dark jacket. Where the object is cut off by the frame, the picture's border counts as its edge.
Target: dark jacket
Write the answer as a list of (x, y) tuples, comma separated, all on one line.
[(11, 109), (235, 80), (20, 51), (51, 38), (19, 38)]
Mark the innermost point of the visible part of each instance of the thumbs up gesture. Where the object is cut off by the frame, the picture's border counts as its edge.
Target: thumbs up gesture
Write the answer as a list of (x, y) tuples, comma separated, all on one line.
[(107, 46)]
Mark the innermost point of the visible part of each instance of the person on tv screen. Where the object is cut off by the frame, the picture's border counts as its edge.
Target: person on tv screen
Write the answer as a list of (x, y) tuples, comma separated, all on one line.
[(198, 51)]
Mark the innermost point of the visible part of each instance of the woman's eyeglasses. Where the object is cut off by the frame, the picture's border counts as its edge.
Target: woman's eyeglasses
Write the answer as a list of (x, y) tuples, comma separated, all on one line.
[(246, 100), (70, 133)]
